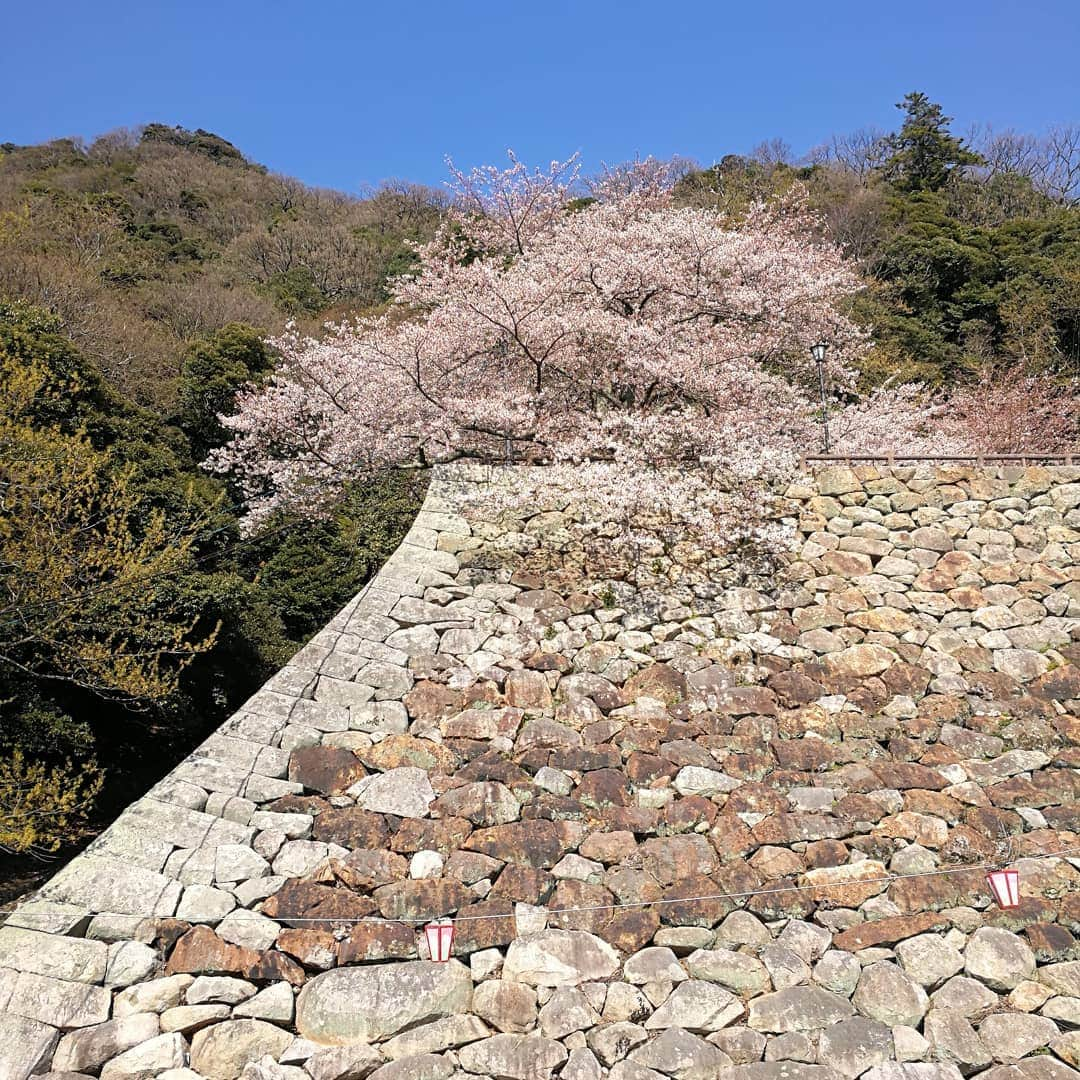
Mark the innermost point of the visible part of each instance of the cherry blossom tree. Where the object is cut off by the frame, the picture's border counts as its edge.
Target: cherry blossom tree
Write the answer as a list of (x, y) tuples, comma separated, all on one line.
[(647, 354)]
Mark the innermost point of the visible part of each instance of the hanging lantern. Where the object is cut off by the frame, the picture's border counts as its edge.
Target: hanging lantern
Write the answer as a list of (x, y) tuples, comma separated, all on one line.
[(440, 939), (1005, 885)]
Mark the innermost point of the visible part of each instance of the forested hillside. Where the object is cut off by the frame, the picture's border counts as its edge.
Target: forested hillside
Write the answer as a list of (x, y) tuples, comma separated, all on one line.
[(143, 242), (140, 278), (971, 249)]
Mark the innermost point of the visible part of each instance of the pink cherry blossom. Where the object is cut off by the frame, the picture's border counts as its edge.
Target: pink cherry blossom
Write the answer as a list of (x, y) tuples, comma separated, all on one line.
[(650, 355)]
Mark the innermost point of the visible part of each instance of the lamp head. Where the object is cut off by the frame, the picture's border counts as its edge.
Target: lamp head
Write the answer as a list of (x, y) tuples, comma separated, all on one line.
[(817, 351)]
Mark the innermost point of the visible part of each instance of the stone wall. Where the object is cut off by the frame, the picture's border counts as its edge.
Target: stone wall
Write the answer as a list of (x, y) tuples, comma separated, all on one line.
[(825, 752)]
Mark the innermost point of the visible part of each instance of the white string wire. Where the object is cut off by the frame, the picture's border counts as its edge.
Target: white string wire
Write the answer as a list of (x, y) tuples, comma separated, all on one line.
[(743, 895)]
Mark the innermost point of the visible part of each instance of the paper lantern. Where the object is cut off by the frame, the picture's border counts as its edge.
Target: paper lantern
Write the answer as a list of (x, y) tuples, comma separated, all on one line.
[(1005, 885), (440, 939)]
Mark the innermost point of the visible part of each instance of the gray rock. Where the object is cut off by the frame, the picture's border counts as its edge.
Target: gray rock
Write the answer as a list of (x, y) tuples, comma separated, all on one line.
[(298, 858), (249, 929), (785, 966), (742, 1044), (344, 1062), (964, 995), (779, 1070), (190, 1018), (264, 1069), (27, 1045), (90, 1048), (369, 1003), (791, 1046), (582, 1065), (999, 958), (653, 965), (419, 1067), (218, 988), (513, 1057), (806, 939), (238, 862), (148, 1058), (626, 1002), (695, 780), (838, 971), (129, 962), (275, 1004), (1011, 1036), (221, 1052), (507, 1006), (436, 1037), (132, 890), (559, 958), (612, 1042), (737, 971), (954, 1039), (1062, 978), (885, 993), (155, 996), (798, 1008), (855, 1045), (929, 959), (679, 1054), (56, 1002), (70, 959), (567, 1010), (204, 904), (698, 1006), (892, 1070), (404, 792)]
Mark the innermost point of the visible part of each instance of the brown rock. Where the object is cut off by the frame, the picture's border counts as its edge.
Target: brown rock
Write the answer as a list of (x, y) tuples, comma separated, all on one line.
[(523, 884), (301, 901), (399, 751), (888, 931), (428, 702), (603, 787), (657, 681), (201, 952), (495, 929), (329, 770), (313, 948), (903, 775), (912, 895), (535, 843), (608, 847), (443, 835), (369, 869), (528, 690), (368, 941), (427, 898), (351, 827), (482, 803)]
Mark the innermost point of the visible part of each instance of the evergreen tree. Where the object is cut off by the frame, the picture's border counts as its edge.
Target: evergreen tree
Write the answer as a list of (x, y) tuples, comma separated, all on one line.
[(924, 153)]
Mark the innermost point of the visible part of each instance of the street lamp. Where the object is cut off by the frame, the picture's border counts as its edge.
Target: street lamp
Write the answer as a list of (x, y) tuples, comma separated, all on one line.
[(817, 351)]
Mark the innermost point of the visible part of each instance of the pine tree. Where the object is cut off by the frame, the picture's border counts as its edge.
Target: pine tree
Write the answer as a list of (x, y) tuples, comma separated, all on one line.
[(924, 153)]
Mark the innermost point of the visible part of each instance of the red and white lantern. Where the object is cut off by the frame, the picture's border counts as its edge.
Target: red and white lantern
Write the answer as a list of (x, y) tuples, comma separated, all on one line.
[(1005, 885), (440, 939)]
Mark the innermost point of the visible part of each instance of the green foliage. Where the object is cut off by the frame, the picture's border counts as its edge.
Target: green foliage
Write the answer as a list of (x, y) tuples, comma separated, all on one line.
[(966, 266), (146, 242), (923, 154), (114, 582), (212, 371)]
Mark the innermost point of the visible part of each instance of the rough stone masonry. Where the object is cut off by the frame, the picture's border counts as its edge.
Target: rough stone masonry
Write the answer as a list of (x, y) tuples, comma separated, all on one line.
[(471, 737)]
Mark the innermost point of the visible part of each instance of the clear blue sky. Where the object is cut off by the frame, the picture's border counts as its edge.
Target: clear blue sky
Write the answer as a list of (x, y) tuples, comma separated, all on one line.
[(346, 92)]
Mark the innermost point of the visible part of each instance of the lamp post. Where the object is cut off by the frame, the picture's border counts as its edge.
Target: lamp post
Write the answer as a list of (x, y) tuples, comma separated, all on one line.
[(817, 351)]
